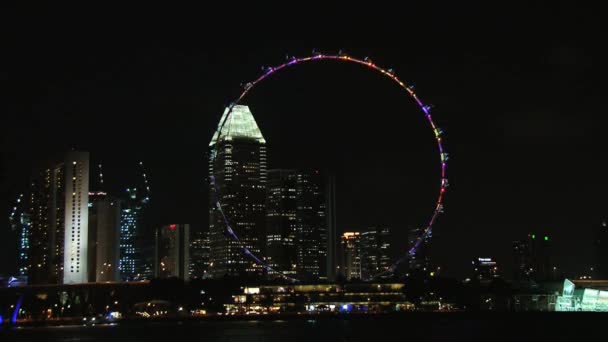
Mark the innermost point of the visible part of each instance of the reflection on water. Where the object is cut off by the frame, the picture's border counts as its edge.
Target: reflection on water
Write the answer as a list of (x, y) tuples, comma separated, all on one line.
[(506, 327)]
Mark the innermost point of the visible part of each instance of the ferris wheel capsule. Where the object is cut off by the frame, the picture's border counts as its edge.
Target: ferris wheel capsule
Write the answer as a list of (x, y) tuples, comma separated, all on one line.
[(428, 108)]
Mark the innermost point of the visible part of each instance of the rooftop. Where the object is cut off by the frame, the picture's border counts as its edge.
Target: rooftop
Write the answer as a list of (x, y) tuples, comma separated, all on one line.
[(240, 124)]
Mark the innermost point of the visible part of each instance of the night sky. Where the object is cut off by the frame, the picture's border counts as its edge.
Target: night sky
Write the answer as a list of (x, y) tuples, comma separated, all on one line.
[(518, 91)]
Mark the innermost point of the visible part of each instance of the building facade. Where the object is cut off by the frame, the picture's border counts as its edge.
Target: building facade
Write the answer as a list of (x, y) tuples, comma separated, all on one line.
[(531, 259), (133, 263), (296, 224), (76, 230), (20, 224), (375, 252), (485, 269), (330, 218), (104, 237), (237, 174), (577, 296), (351, 255), (172, 251), (199, 255), (58, 214), (321, 298), (282, 222), (311, 225), (46, 213)]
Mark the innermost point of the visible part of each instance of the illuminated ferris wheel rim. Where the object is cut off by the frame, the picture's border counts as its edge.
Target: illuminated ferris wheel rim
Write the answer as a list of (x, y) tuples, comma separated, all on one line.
[(426, 109)]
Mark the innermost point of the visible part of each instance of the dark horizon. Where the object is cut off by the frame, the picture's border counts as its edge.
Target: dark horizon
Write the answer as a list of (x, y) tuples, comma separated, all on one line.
[(520, 104)]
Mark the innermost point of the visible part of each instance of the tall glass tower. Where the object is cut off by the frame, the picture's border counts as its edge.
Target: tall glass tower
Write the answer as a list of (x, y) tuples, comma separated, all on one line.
[(282, 222), (296, 227), (237, 169), (24, 244), (132, 261), (351, 255), (375, 252), (19, 220), (199, 255), (311, 225)]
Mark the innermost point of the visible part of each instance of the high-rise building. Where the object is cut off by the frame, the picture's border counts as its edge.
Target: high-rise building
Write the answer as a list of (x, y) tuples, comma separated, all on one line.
[(46, 214), (531, 257), (19, 220), (76, 230), (58, 211), (600, 250), (237, 170), (133, 264), (172, 251), (24, 244), (296, 233), (311, 225), (351, 255), (330, 217), (282, 222), (375, 252), (523, 268), (420, 262), (104, 237), (199, 255), (485, 269)]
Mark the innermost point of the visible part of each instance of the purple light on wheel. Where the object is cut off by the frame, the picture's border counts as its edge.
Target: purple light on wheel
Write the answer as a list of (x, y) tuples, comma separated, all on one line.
[(426, 109)]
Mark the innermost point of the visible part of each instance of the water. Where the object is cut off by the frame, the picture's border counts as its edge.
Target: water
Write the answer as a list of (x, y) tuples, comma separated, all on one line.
[(427, 327)]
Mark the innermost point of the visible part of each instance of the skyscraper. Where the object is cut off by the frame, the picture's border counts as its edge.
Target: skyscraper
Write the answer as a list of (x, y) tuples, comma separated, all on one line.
[(296, 226), (46, 213), (531, 258), (58, 211), (523, 267), (600, 250), (351, 255), (76, 230), (104, 237), (311, 225), (172, 251), (132, 262), (375, 252), (24, 244), (199, 255), (20, 224), (237, 170), (330, 218), (282, 221)]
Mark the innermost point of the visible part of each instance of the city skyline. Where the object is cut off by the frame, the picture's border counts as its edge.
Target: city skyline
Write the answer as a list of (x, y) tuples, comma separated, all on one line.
[(309, 171), (521, 114)]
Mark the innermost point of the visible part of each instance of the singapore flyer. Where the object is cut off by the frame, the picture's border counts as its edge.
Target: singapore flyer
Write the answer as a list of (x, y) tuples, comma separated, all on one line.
[(367, 63)]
